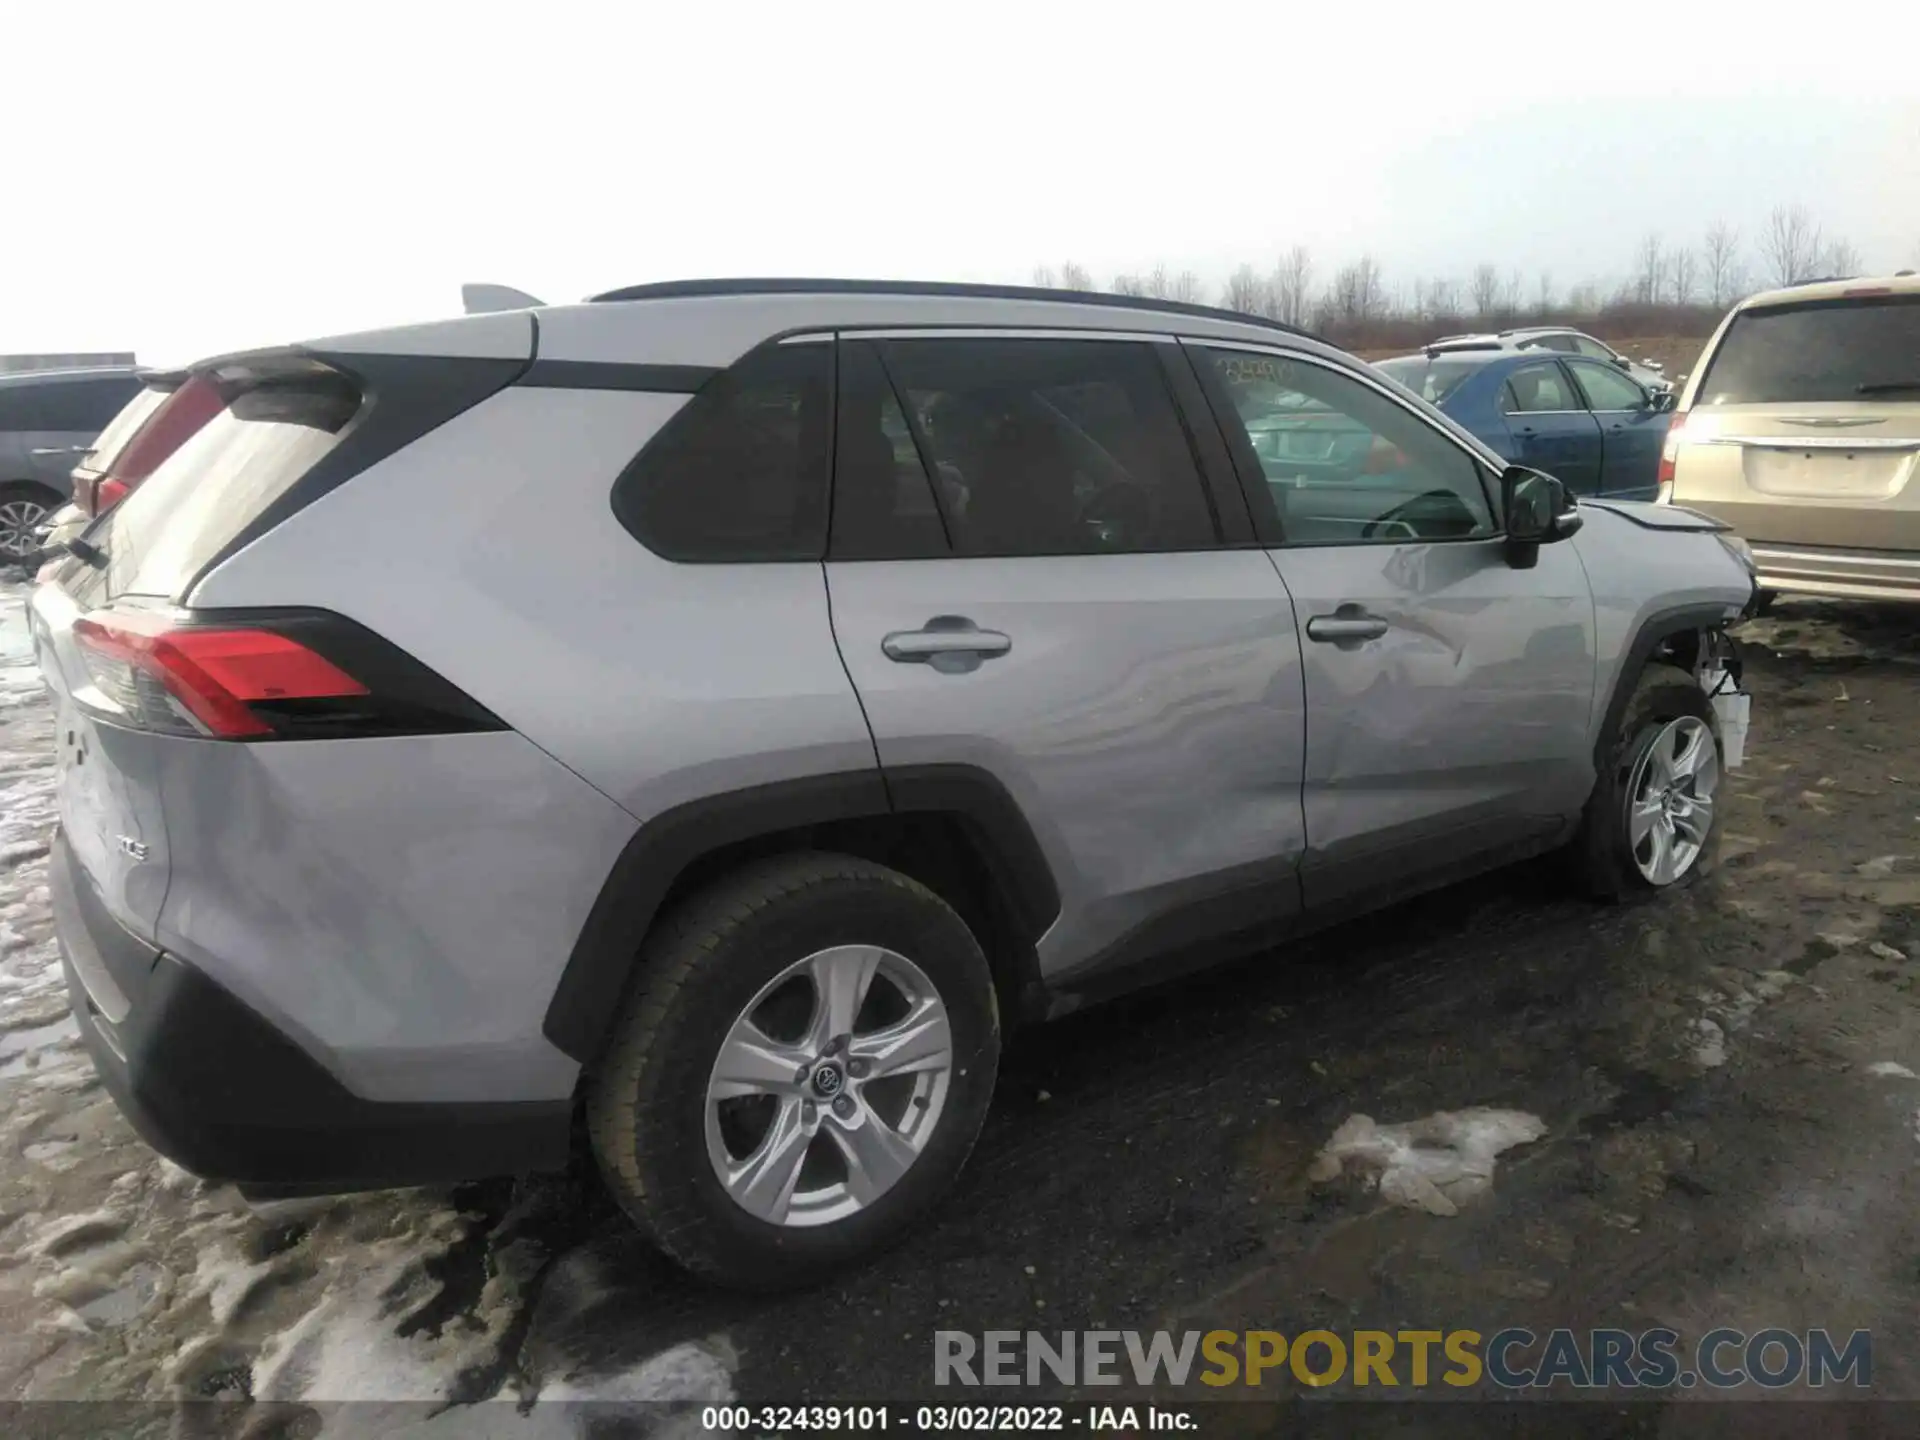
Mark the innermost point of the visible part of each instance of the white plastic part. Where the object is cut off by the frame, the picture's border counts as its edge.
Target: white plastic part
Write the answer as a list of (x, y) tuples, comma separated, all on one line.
[(1731, 708)]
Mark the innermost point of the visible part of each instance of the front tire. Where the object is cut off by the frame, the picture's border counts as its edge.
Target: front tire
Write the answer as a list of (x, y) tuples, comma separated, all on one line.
[(1653, 821), (800, 1072)]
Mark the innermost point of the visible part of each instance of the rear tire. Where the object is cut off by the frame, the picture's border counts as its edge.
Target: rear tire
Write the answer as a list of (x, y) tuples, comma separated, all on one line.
[(794, 1173), (1657, 795), (24, 507)]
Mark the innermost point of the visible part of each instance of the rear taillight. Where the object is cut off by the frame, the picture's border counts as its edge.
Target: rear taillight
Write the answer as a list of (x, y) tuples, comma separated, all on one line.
[(107, 494), (191, 680), (259, 675), (1670, 457)]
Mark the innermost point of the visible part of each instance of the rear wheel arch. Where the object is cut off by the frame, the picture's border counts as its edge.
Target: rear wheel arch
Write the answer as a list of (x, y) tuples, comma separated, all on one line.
[(952, 828)]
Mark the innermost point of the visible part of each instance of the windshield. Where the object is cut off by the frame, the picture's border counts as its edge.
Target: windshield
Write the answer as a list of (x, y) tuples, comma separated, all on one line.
[(1853, 351), (1432, 380)]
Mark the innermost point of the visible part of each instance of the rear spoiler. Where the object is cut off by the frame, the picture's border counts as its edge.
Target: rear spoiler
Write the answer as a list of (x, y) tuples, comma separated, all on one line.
[(489, 299)]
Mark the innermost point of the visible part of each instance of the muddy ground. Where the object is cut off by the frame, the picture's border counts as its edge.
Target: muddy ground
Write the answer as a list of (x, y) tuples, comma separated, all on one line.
[(1717, 1150)]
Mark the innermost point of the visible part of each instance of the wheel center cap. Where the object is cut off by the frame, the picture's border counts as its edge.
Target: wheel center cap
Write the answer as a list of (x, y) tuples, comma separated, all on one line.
[(828, 1080)]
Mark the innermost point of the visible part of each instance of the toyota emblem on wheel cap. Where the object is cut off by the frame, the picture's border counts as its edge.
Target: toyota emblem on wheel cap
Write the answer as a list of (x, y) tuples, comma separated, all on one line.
[(828, 1080)]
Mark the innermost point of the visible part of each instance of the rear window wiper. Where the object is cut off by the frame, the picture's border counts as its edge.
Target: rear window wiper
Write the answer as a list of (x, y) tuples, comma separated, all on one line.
[(1886, 386)]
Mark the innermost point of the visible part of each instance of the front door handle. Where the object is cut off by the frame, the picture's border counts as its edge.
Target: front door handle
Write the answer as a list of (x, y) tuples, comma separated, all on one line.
[(1349, 625), (951, 644)]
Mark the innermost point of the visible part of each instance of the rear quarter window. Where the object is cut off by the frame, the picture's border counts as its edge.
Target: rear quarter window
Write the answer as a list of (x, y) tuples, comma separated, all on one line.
[(1432, 380), (1820, 351)]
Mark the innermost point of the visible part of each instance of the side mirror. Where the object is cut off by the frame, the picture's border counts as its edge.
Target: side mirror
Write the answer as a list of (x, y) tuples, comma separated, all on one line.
[(1538, 510), (1663, 401), (1622, 361)]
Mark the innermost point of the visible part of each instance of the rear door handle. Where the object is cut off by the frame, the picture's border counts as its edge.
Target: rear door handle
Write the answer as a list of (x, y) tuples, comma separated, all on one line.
[(951, 644), (61, 449), (1349, 625)]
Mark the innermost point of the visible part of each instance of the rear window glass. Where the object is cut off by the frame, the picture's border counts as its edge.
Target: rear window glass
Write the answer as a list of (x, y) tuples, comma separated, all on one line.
[(1850, 351), (270, 434), (1432, 380), (78, 407), (123, 427)]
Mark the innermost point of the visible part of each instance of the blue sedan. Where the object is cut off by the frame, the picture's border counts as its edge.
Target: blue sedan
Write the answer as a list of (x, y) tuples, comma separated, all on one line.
[(1598, 430)]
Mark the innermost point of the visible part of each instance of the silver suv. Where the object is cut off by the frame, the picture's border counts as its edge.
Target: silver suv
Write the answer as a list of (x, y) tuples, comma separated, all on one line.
[(898, 662)]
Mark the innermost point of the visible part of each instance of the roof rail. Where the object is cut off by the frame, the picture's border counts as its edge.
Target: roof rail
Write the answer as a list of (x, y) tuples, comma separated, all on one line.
[(692, 289)]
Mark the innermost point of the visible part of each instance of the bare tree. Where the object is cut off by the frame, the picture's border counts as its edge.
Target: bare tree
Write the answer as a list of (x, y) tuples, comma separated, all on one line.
[(1443, 299), (1682, 275), (1649, 270), (1842, 258), (1075, 277), (1186, 288), (1485, 290), (1043, 277), (1584, 298), (1293, 286), (1791, 245), (1543, 296), (1720, 262), (1357, 294), (1129, 285), (1244, 292)]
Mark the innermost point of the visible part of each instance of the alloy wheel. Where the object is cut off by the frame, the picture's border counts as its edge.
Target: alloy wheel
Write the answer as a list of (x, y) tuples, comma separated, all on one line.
[(828, 1086), (18, 520), (1670, 800)]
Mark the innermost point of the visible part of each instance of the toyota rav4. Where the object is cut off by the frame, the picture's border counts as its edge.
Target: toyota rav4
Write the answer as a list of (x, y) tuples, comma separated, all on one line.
[(898, 663)]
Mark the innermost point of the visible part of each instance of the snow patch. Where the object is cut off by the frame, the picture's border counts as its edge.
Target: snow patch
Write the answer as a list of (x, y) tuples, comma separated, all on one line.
[(1709, 1044), (1891, 1070), (1433, 1164)]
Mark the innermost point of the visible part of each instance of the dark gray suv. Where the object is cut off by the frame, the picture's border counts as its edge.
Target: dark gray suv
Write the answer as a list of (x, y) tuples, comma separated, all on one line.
[(48, 420)]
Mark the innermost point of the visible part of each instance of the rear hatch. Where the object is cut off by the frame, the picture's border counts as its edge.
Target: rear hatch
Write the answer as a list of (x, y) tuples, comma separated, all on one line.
[(1805, 424), (127, 682)]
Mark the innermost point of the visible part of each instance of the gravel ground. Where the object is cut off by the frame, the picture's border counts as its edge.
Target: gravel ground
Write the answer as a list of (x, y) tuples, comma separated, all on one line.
[(1714, 1144)]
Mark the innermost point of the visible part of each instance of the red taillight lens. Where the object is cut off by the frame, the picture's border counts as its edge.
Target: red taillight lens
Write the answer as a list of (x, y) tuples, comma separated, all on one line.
[(189, 680), (107, 494), (1670, 453)]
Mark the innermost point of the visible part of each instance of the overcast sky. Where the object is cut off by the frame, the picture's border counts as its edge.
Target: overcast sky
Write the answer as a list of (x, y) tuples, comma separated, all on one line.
[(187, 178)]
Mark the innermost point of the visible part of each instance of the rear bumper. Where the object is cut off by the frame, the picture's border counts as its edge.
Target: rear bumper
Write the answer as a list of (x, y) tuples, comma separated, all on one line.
[(1852, 574), (215, 1088)]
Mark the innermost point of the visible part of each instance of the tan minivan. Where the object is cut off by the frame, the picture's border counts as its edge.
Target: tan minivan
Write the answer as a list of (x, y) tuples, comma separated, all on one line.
[(1800, 427)]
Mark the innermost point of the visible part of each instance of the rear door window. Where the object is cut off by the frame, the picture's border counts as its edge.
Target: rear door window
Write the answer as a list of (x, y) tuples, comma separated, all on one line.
[(1851, 351), (74, 407), (271, 432), (1052, 447), (1538, 390)]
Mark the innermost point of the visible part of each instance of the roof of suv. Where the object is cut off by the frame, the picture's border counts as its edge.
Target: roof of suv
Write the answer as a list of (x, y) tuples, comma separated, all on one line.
[(702, 289), (1904, 283)]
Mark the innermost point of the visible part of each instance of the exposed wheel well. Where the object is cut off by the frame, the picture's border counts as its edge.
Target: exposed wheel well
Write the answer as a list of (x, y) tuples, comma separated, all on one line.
[(943, 851)]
